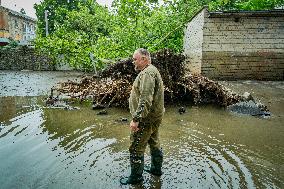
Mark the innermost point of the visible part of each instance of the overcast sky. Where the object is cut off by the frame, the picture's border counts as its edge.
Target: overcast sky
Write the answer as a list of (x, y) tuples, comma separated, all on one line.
[(16, 5)]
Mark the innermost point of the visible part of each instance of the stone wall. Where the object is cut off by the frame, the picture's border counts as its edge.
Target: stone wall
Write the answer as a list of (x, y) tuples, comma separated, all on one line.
[(23, 58), (244, 45)]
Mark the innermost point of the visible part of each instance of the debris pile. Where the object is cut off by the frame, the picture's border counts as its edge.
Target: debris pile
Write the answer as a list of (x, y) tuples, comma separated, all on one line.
[(103, 91), (250, 108), (112, 86)]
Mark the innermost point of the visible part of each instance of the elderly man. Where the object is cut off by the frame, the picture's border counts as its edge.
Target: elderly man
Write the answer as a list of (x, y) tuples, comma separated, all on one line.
[(146, 105)]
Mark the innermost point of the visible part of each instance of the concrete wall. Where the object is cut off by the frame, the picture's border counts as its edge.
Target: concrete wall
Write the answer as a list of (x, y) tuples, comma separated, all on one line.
[(193, 43), (239, 46), (23, 58)]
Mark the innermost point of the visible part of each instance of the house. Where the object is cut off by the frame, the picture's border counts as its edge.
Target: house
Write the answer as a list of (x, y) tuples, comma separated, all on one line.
[(236, 44), (16, 26)]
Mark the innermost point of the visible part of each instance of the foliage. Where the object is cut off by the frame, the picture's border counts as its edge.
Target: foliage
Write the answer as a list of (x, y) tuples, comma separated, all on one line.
[(81, 27), (13, 43), (22, 11), (245, 4), (146, 24), (259, 4), (72, 40), (53, 7)]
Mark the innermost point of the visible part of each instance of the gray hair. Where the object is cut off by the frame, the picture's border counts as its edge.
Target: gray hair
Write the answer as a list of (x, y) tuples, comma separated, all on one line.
[(144, 52)]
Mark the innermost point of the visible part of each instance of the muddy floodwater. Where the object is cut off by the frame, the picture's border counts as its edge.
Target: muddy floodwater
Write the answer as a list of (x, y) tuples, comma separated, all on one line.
[(206, 147)]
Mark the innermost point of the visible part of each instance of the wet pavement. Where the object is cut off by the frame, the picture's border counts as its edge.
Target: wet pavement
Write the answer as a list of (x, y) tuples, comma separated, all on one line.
[(32, 83), (206, 147)]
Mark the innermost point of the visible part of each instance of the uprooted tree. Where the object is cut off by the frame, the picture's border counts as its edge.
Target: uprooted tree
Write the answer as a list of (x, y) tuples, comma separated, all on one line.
[(112, 86)]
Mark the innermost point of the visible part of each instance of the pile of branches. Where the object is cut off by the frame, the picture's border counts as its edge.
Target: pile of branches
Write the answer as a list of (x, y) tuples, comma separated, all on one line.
[(103, 91), (112, 86)]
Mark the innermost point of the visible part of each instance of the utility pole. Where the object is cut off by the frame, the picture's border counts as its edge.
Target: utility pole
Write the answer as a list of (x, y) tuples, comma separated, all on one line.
[(93, 62), (46, 22)]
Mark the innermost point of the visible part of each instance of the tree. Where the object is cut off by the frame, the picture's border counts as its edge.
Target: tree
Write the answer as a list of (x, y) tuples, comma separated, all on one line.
[(73, 40), (259, 4), (57, 10), (81, 27), (142, 23), (22, 11), (245, 4)]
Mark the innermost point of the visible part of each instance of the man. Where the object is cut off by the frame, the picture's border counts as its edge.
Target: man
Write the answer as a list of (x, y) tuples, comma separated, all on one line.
[(146, 104)]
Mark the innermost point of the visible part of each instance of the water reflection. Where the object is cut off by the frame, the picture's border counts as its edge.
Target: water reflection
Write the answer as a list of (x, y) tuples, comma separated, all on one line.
[(206, 147)]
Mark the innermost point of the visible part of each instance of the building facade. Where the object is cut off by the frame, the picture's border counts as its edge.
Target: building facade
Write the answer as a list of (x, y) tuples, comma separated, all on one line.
[(236, 45), (16, 26)]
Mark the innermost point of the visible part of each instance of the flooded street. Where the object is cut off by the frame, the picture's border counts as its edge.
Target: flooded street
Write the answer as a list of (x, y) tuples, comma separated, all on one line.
[(206, 147)]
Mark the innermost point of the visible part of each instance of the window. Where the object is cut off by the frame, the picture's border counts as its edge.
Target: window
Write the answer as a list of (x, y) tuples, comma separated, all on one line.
[(25, 28), (32, 29), (16, 23), (28, 28)]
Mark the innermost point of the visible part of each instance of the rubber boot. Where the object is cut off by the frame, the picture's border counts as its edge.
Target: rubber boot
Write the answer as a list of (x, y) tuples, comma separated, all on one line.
[(137, 164), (156, 163)]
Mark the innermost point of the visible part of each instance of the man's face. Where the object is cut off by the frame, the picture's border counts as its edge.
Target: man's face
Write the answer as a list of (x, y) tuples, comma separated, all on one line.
[(139, 61)]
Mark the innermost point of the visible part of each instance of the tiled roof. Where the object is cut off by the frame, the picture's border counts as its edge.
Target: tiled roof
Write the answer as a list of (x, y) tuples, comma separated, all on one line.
[(18, 14)]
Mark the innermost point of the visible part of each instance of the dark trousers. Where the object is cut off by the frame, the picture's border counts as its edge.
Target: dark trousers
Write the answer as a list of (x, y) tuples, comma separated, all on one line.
[(148, 134)]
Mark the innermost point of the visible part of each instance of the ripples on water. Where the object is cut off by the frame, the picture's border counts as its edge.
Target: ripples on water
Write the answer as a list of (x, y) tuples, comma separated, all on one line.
[(51, 148), (204, 148), (206, 162)]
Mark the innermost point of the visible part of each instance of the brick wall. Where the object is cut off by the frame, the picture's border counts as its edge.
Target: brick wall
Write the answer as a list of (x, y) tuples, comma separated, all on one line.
[(242, 47)]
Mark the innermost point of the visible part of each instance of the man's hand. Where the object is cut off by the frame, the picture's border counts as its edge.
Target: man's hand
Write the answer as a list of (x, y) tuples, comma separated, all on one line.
[(134, 126)]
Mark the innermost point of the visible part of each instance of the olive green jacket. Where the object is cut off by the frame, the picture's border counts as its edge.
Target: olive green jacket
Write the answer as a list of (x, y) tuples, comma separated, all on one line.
[(147, 95)]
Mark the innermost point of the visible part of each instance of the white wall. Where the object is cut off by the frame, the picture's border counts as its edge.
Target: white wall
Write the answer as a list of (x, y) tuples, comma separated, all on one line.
[(193, 42)]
